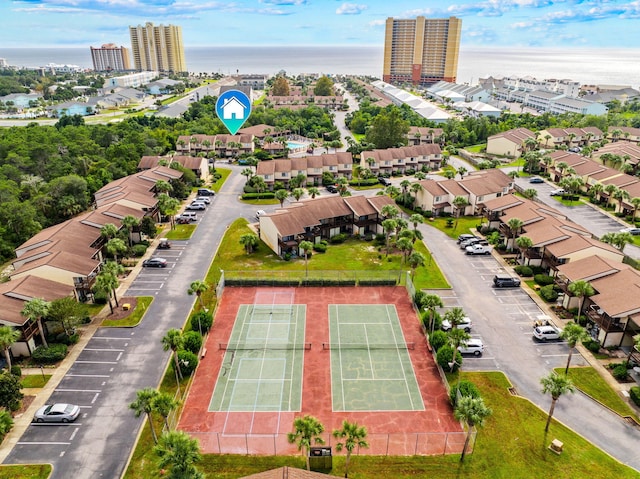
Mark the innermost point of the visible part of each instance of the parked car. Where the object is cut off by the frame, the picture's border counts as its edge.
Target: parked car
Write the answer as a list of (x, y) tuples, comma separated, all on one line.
[(473, 346), (59, 412), (505, 281), (260, 213), (464, 324), (204, 199), (187, 217), (206, 192), (384, 181), (154, 263), (478, 249), (545, 333), (196, 205), (331, 188), (465, 237), (471, 242), (164, 244), (558, 192), (633, 231), (536, 180)]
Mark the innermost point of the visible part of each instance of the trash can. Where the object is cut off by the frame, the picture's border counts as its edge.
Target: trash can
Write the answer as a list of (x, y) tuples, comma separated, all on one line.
[(320, 459)]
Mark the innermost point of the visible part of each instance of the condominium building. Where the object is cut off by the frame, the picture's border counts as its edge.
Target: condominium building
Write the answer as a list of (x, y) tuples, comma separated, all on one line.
[(110, 58), (157, 48), (421, 51)]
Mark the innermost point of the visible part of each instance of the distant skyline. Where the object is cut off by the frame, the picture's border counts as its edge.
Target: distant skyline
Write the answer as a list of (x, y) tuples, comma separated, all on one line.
[(508, 23)]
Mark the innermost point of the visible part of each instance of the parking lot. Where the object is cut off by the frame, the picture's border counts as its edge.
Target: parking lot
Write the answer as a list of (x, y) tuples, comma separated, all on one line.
[(151, 281)]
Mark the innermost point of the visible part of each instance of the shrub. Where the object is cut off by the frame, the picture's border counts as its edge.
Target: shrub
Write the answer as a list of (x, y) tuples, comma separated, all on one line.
[(100, 298), (138, 250), (445, 356), (620, 372), (634, 394), (10, 394), (339, 238), (320, 248), (537, 269), (592, 345), (466, 388), (192, 341), (543, 279), (16, 371), (437, 339), (380, 240), (265, 195), (50, 355), (201, 319), (523, 270), (188, 362), (548, 293), (64, 338)]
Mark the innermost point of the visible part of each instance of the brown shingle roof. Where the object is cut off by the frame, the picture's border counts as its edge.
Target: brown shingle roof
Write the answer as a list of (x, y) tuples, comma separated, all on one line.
[(14, 293)]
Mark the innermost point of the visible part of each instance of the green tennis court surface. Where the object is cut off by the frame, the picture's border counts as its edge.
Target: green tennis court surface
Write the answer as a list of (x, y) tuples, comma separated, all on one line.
[(262, 366), (370, 365)]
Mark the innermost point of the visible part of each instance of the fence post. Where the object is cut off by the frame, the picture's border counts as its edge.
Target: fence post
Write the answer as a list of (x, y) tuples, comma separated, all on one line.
[(446, 442)]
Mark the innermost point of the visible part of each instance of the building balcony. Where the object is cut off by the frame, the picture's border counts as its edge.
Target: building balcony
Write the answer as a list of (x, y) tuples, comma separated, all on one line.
[(605, 322)]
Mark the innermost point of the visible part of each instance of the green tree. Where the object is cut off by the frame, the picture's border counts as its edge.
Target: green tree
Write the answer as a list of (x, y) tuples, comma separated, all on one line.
[(280, 88), (6, 423), (8, 336), (35, 309), (556, 385), (514, 224), (572, 334), (306, 431), (523, 243), (349, 437), (164, 404), (405, 245), (306, 246), (68, 312), (581, 289), (115, 269), (297, 193), (430, 302), (105, 284), (459, 204), (130, 222), (388, 129), (313, 191), (281, 195), (198, 287), (249, 241), (389, 227), (144, 405), (109, 231), (179, 453), (474, 412), (115, 247), (324, 87), (174, 341), (415, 260), (10, 394)]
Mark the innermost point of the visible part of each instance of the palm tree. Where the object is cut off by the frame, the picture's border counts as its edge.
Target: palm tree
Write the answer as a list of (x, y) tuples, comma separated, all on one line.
[(610, 190), (130, 222), (461, 171), (581, 289), (306, 431), (306, 246), (8, 336), (635, 202), (405, 245), (389, 211), (530, 193), (514, 225), (459, 203), (198, 287), (116, 269), (556, 385), (164, 404), (621, 195), (180, 453), (281, 195), (144, 404), (35, 309), (116, 246), (353, 436), (430, 302), (109, 231), (249, 241), (174, 341), (595, 190), (415, 260), (312, 191), (248, 172), (572, 334), (105, 284), (404, 185), (259, 184), (473, 411), (524, 243), (162, 186), (297, 193), (389, 227)]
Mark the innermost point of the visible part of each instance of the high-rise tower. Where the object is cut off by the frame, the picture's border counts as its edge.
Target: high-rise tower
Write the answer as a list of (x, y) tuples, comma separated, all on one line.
[(421, 51), (157, 48), (110, 57)]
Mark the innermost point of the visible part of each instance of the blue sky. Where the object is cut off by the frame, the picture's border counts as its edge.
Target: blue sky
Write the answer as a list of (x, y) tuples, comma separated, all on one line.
[(530, 23)]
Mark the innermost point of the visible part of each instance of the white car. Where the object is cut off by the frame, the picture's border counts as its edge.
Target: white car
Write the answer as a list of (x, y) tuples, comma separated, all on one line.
[(478, 249), (545, 333), (196, 205), (464, 324), (473, 346), (558, 192), (633, 231), (260, 213), (203, 199)]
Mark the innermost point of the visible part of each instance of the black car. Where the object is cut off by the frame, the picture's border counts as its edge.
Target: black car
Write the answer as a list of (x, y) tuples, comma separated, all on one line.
[(505, 281), (536, 179), (332, 189), (155, 263), (384, 181), (206, 192)]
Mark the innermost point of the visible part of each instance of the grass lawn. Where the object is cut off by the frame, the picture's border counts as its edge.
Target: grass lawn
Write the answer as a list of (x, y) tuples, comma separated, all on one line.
[(590, 382), (476, 148), (257, 202), (512, 444), (34, 380), (519, 163), (181, 232), (351, 255), (134, 318), (224, 172), (464, 225), (26, 471)]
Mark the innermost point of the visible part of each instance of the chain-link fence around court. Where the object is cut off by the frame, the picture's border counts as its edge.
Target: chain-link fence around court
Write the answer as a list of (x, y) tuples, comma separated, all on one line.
[(313, 278)]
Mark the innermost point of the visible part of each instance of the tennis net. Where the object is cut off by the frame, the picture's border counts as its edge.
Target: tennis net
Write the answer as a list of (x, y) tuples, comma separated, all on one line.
[(264, 347), (396, 346)]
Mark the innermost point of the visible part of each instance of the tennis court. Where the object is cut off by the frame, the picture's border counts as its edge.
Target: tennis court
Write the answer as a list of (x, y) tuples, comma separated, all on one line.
[(370, 365), (262, 364)]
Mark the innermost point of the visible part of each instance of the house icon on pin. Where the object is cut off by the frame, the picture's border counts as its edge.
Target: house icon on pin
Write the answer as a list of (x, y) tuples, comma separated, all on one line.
[(233, 109)]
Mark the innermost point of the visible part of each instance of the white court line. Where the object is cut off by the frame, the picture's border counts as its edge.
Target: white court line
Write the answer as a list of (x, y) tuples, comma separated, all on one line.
[(395, 340)]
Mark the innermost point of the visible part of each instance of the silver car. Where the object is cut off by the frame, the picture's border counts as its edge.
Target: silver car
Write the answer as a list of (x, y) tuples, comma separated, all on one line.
[(60, 412)]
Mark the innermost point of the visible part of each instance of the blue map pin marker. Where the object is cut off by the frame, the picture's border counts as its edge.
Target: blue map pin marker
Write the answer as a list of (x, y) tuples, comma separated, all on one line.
[(233, 108)]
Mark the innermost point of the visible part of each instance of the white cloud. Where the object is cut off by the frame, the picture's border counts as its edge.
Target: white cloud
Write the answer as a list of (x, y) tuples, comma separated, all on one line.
[(351, 9), (377, 23)]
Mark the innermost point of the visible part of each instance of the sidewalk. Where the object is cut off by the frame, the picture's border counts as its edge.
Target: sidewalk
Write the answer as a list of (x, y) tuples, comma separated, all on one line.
[(22, 421)]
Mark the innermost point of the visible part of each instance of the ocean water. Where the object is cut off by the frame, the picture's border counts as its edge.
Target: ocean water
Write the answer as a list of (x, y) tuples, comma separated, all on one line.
[(588, 66)]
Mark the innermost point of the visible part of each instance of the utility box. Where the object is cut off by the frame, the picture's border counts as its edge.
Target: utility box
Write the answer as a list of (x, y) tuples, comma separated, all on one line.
[(320, 459), (556, 446)]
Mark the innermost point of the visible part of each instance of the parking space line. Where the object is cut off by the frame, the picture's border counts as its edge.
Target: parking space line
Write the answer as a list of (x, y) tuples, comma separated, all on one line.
[(109, 337), (79, 390), (96, 362), (552, 355), (102, 349), (87, 375)]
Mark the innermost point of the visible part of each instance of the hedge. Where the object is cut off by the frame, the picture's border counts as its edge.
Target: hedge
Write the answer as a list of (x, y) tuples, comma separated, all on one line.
[(188, 362), (543, 279), (377, 282), (201, 320), (445, 356), (466, 388), (634, 394), (50, 355), (192, 341), (267, 195), (548, 293), (437, 339)]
